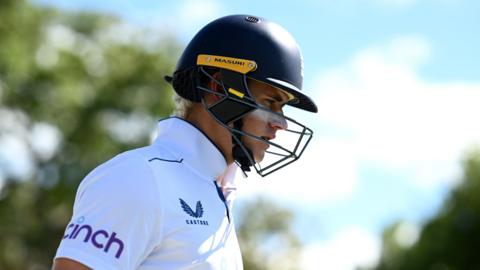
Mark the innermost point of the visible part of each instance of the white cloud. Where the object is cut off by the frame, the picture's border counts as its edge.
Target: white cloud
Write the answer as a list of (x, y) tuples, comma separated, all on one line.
[(326, 173), (398, 120), (376, 109), (347, 250)]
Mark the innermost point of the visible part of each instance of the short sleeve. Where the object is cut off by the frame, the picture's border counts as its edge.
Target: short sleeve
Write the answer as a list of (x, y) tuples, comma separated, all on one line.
[(116, 219)]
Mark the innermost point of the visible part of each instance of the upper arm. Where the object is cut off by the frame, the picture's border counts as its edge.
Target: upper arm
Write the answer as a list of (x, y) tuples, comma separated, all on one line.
[(115, 222), (68, 264)]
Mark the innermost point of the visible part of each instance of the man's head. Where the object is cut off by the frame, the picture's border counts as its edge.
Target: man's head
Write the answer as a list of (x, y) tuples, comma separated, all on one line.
[(244, 70)]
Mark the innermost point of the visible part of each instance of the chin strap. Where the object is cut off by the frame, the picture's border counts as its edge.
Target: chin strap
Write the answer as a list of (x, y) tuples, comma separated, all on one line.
[(237, 151)]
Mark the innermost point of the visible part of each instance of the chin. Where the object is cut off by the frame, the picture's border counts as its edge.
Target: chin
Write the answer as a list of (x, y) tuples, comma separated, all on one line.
[(258, 157)]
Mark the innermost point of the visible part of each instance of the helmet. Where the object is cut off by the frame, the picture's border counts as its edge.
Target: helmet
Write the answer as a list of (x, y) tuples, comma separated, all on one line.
[(241, 47), (277, 56)]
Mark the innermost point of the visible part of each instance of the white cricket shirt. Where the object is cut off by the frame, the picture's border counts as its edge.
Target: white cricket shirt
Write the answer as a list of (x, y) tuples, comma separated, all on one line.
[(157, 207)]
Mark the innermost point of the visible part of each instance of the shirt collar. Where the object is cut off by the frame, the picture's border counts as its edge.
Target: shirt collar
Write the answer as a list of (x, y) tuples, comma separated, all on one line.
[(192, 145)]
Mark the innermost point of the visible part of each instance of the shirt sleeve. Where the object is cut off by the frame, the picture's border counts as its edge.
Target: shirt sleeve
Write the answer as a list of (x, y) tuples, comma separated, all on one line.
[(116, 216)]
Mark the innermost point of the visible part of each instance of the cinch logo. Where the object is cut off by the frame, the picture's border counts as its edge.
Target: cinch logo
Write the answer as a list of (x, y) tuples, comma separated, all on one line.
[(228, 61), (197, 214), (100, 239)]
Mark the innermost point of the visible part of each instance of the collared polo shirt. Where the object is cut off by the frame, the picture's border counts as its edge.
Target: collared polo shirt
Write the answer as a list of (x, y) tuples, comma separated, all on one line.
[(164, 206)]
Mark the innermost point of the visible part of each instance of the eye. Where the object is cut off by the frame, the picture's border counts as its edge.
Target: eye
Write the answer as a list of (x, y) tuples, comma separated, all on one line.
[(270, 101)]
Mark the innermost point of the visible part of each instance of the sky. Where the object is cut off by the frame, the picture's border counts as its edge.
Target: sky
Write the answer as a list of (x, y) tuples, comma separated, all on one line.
[(397, 84)]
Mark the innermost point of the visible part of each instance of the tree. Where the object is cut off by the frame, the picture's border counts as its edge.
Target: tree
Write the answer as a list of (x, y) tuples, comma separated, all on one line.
[(266, 236), (451, 239), (89, 82)]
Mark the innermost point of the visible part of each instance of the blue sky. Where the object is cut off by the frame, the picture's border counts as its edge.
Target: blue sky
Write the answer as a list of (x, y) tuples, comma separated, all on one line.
[(329, 31), (397, 84)]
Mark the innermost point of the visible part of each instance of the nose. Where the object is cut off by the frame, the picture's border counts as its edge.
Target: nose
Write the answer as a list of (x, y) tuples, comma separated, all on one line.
[(278, 123)]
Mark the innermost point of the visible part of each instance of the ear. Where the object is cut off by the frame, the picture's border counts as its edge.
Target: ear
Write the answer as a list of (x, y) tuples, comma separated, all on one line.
[(214, 86)]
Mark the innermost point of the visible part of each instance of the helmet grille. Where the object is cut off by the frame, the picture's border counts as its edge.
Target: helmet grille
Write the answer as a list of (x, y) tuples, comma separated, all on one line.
[(252, 19)]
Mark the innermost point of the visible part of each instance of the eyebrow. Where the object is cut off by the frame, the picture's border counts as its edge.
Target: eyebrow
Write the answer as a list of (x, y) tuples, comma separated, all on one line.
[(275, 93)]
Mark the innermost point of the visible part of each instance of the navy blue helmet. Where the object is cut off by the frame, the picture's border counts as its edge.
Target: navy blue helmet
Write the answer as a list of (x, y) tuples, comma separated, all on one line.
[(238, 48)]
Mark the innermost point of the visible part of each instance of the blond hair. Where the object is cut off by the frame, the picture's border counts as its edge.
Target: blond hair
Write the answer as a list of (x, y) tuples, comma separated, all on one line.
[(182, 106)]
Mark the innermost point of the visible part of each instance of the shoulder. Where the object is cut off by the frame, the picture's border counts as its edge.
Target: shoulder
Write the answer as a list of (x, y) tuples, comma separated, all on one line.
[(135, 174), (127, 179)]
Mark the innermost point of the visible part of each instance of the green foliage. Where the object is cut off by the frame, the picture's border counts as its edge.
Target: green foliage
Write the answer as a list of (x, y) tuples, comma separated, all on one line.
[(80, 74), (266, 236), (451, 239)]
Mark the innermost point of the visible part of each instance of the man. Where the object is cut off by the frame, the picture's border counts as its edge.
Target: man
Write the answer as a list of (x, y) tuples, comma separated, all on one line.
[(168, 205)]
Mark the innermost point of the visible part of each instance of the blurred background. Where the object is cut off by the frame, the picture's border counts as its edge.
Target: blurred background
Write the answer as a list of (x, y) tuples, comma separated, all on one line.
[(391, 179)]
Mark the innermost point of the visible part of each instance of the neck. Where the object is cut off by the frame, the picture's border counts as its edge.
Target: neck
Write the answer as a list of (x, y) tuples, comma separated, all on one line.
[(218, 134)]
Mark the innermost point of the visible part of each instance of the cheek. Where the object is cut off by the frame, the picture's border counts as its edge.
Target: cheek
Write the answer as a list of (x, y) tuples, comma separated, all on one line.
[(254, 120), (260, 116)]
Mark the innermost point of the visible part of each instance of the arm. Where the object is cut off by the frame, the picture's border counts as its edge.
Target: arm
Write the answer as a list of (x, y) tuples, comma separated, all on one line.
[(67, 264), (115, 218)]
